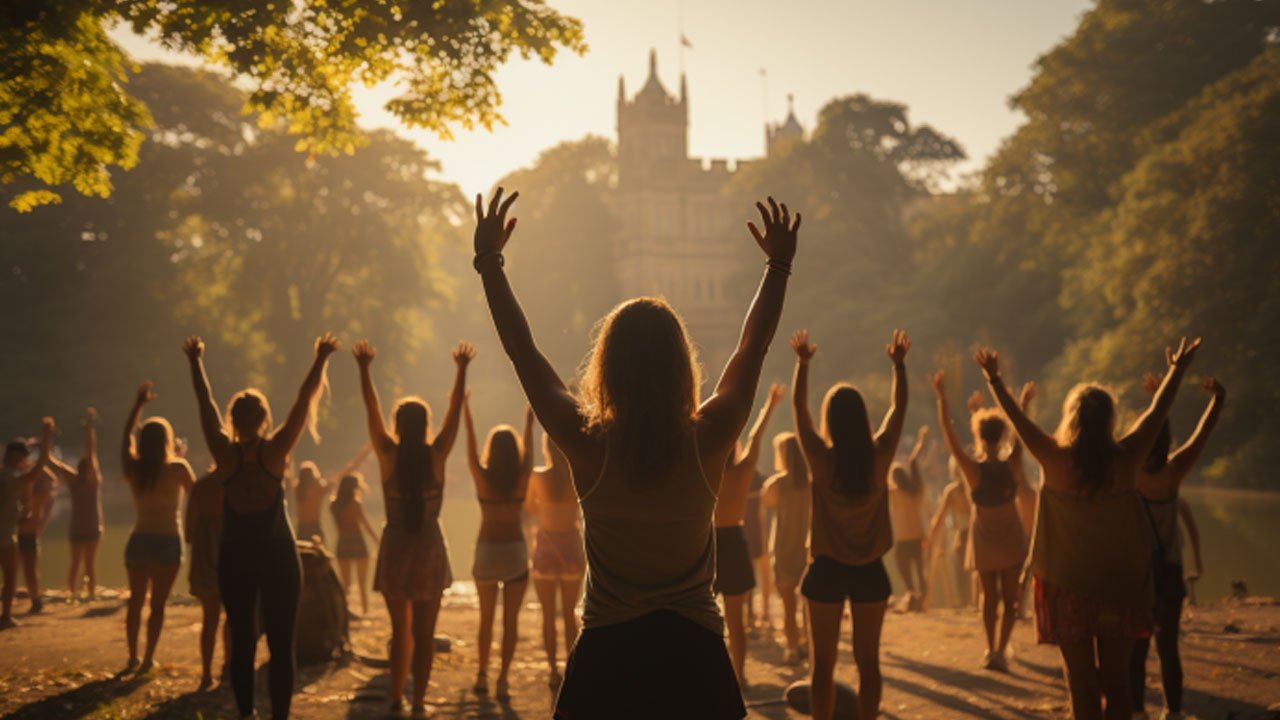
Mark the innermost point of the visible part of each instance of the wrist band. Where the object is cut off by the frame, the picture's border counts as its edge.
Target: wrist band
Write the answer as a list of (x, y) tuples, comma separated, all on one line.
[(475, 263), (779, 265)]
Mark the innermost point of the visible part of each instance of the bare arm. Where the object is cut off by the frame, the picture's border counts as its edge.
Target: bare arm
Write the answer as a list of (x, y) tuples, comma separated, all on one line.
[(378, 435), (728, 408), (354, 463), (554, 405), (281, 443), (47, 427), (473, 450), (1193, 534), (1185, 457), (442, 443), (891, 428), (215, 436), (1142, 435), (968, 466), (91, 441), (526, 461), (756, 437), (364, 522), (1041, 445), (810, 441), (128, 454), (913, 461)]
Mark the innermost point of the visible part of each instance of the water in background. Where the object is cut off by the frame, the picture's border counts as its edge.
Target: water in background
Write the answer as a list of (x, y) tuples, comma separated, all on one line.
[(1239, 536)]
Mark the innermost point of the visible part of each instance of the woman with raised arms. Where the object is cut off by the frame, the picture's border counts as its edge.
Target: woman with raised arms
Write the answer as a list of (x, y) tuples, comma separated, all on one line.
[(647, 457)]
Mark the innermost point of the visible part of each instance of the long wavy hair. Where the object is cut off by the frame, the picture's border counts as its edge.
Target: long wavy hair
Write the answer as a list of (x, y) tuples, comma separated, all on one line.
[(350, 489), (788, 457), (501, 460), (989, 427), (414, 471), (1088, 429), (847, 428), (639, 385), (155, 451)]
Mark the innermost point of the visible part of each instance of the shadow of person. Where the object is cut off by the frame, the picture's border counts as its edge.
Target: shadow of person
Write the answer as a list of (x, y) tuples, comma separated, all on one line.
[(79, 702), (194, 704)]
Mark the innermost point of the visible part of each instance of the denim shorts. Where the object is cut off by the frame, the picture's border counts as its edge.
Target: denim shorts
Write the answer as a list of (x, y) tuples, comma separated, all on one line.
[(152, 549)]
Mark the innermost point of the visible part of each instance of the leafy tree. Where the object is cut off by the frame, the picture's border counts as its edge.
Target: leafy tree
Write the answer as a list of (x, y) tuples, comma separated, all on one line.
[(69, 116)]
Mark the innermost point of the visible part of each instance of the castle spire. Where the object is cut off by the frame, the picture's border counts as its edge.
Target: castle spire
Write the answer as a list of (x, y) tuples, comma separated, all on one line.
[(653, 63), (622, 89)]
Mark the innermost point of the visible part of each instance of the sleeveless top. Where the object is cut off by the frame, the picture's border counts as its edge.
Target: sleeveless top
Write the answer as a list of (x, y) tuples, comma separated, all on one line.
[(650, 545), (847, 530), (996, 484), (791, 519), (86, 505), (9, 509), (158, 508), (255, 530), (1096, 548)]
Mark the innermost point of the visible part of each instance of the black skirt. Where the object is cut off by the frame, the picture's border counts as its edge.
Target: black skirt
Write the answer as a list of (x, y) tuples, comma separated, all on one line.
[(661, 665)]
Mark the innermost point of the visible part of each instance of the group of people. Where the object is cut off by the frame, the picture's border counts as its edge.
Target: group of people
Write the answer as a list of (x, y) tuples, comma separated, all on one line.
[(644, 493)]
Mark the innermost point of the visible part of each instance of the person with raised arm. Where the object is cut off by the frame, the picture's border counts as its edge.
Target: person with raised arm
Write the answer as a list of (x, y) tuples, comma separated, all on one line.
[(851, 529), (906, 511), (1159, 482), (735, 576), (310, 489), (558, 563), (259, 570), (413, 570), (501, 476), (84, 484), (158, 479), (648, 457), (787, 492), (17, 475), (997, 540), (1091, 554)]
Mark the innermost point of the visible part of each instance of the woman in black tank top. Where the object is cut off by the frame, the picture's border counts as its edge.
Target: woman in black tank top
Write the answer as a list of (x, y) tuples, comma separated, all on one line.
[(258, 560)]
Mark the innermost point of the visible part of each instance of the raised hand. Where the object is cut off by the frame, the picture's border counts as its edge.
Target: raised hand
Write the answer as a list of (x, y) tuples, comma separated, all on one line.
[(463, 354), (937, 380), (778, 241), (1211, 385), (777, 391), (90, 416), (48, 426), (364, 353), (989, 361), (1150, 383), (922, 434), (976, 402), (1028, 393), (145, 394), (1181, 356), (898, 347), (326, 345), (800, 344), (193, 347), (493, 230)]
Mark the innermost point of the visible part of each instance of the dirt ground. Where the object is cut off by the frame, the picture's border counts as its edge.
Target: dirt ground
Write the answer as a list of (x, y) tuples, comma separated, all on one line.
[(61, 664)]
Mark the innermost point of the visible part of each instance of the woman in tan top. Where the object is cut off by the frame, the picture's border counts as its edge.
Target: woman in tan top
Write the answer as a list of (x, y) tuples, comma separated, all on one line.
[(558, 561), (850, 528), (1091, 555), (647, 458), (154, 553)]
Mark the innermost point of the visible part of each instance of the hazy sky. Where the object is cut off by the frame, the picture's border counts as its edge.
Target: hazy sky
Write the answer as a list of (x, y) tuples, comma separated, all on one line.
[(954, 63)]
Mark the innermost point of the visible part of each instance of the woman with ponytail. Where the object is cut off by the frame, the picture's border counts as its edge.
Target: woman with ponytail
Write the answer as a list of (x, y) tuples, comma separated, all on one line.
[(258, 565), (851, 529), (158, 478), (1091, 552), (413, 561)]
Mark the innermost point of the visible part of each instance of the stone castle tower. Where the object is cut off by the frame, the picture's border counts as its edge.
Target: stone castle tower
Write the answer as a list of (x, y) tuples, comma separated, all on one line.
[(679, 236)]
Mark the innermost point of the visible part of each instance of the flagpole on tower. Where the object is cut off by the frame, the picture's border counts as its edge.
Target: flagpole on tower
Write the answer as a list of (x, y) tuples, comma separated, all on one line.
[(764, 94)]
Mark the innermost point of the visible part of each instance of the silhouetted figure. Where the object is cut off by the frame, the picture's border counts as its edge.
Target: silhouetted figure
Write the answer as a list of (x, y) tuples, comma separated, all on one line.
[(203, 528), (1091, 554), (258, 565), (37, 501), (735, 576), (906, 512), (788, 493), (501, 476), (647, 459), (16, 478), (1159, 481), (851, 528), (158, 479), (347, 506), (310, 490), (84, 487), (559, 563), (413, 561), (997, 546)]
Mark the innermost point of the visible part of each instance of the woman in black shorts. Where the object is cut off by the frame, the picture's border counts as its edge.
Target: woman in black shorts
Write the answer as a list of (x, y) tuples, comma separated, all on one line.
[(851, 530)]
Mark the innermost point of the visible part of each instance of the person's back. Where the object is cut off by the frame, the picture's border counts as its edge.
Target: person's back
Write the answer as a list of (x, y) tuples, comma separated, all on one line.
[(158, 507), (905, 514), (789, 539), (85, 490), (649, 545)]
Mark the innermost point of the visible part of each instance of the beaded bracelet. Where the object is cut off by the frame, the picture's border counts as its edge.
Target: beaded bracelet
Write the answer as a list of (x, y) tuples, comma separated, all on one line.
[(779, 265)]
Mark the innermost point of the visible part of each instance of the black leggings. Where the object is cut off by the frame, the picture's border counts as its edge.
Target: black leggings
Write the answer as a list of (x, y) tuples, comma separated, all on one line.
[(1168, 616), (267, 575)]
